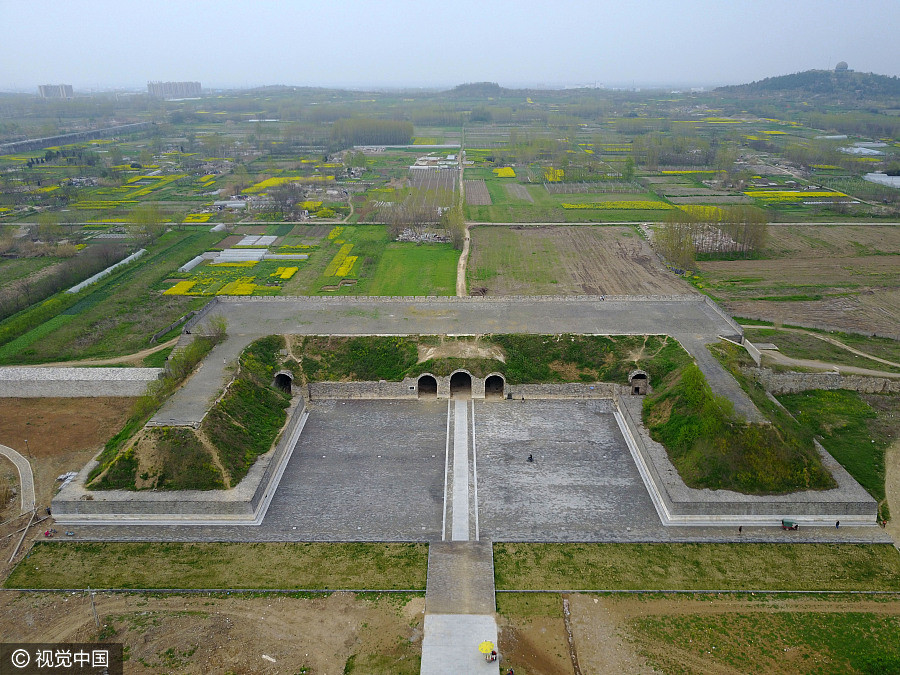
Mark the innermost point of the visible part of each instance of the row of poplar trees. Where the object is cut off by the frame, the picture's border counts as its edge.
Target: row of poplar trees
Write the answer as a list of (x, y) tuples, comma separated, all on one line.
[(729, 231)]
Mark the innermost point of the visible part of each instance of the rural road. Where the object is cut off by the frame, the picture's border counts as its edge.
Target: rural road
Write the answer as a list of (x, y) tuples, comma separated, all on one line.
[(26, 478), (779, 358), (836, 343), (462, 264), (134, 359)]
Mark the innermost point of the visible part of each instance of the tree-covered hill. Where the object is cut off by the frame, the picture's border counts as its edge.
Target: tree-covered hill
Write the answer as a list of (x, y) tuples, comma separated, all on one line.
[(837, 84)]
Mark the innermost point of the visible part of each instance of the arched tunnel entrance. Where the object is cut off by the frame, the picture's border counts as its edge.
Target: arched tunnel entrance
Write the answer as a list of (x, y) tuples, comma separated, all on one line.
[(460, 385), (284, 380), (493, 387), (427, 386), (639, 381)]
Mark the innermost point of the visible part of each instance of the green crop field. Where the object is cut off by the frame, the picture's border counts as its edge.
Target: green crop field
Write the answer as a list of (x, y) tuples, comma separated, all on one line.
[(407, 269)]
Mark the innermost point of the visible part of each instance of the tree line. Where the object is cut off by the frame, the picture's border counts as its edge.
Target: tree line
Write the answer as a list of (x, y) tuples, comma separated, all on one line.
[(366, 131), (726, 231), (21, 293)]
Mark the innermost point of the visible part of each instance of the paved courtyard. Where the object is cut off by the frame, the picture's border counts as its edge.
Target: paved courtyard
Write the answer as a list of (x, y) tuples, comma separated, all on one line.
[(374, 470), (365, 470), (582, 485)]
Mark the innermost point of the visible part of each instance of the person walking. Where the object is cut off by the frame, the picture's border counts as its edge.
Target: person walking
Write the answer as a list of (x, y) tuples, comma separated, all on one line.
[(740, 529), (837, 524)]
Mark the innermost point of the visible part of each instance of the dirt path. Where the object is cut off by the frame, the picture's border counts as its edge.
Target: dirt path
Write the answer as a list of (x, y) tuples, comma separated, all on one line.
[(135, 359), (836, 343), (349, 215), (462, 264), (892, 490), (26, 478), (778, 357), (600, 641)]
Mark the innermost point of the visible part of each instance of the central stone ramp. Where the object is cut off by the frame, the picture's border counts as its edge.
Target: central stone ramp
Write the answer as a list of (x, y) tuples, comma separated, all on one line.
[(460, 578), (459, 608)]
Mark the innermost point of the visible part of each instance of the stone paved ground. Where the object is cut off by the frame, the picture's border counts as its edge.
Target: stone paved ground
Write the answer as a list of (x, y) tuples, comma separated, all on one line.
[(583, 487), (365, 470), (460, 578), (582, 484)]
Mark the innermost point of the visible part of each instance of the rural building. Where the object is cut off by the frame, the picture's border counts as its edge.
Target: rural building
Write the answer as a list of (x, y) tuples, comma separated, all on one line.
[(56, 91), (174, 89)]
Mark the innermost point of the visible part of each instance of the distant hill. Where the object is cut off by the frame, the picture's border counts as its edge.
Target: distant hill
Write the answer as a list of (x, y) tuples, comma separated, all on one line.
[(477, 90), (837, 84)]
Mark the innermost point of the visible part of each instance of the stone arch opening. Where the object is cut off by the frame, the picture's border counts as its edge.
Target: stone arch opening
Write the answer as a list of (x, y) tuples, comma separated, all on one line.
[(284, 380), (427, 386), (639, 381), (460, 385), (494, 386)]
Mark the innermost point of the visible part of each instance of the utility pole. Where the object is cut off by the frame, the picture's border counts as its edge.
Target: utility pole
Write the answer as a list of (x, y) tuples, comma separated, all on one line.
[(93, 607)]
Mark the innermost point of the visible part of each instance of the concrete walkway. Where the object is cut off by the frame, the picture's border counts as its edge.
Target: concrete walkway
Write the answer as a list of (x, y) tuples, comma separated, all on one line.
[(26, 477), (459, 608), (459, 595), (189, 405), (459, 530), (719, 379)]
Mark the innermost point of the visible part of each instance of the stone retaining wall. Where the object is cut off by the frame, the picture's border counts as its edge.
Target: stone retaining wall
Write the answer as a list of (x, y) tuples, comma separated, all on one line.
[(48, 382), (354, 390), (408, 389), (245, 504), (200, 313), (712, 304), (678, 504), (791, 382), (567, 390), (753, 351)]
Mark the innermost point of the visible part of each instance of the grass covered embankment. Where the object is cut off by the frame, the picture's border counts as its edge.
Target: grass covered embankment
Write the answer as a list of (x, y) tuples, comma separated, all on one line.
[(240, 427), (713, 449), (523, 359), (857, 429)]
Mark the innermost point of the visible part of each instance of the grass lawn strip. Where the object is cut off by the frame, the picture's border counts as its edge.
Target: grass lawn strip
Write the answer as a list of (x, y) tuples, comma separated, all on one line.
[(528, 358), (222, 565), (772, 642), (727, 567)]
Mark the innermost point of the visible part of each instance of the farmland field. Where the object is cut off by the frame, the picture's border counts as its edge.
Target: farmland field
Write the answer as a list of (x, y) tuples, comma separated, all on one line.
[(517, 191), (585, 260), (406, 269), (477, 193), (691, 634), (841, 276), (514, 202)]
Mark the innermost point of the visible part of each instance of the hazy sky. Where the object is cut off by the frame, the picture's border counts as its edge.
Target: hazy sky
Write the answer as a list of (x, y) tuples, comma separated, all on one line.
[(385, 43)]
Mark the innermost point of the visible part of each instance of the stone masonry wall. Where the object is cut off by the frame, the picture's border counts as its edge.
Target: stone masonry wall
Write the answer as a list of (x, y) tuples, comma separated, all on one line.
[(791, 383), (22, 382)]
